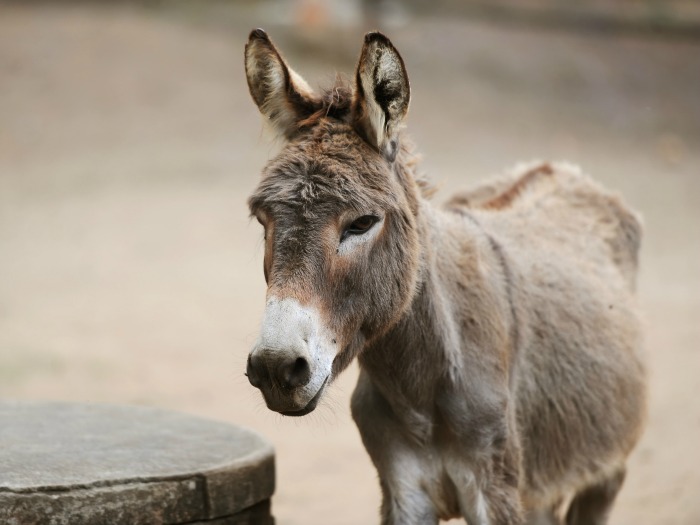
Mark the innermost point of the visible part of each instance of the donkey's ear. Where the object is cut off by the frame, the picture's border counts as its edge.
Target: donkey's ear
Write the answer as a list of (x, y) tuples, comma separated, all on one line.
[(281, 94), (382, 93)]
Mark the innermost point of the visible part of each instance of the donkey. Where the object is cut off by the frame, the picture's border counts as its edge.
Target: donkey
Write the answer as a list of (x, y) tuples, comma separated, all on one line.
[(497, 336)]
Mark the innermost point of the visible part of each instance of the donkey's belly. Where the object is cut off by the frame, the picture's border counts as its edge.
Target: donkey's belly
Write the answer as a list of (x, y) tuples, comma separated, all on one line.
[(581, 389)]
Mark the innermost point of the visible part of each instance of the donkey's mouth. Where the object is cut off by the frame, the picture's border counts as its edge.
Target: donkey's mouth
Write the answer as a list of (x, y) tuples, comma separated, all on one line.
[(310, 406)]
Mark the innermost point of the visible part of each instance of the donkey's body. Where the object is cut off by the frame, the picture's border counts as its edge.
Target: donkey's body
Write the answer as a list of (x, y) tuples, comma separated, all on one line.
[(523, 332), (497, 337)]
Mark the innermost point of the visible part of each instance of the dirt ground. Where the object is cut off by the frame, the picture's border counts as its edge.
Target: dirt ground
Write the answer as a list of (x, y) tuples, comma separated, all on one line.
[(130, 272)]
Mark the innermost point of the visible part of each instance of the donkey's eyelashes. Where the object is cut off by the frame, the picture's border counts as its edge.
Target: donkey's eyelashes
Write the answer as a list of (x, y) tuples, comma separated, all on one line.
[(359, 226), (362, 224)]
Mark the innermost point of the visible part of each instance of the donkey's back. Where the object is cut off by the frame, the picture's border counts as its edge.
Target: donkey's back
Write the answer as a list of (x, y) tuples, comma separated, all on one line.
[(563, 208), (579, 383)]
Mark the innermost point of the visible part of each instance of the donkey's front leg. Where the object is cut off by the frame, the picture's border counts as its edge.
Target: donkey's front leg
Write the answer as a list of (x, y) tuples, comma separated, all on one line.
[(405, 503), (497, 501), (484, 453), (401, 473), (486, 490)]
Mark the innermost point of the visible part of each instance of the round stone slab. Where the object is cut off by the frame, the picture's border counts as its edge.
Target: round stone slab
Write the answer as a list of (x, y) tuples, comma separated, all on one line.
[(75, 464)]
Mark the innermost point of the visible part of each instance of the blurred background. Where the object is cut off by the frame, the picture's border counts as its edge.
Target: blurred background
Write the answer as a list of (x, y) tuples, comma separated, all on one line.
[(130, 272)]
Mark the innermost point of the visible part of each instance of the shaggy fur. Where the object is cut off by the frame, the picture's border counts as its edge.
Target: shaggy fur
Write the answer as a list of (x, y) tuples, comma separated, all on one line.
[(497, 336)]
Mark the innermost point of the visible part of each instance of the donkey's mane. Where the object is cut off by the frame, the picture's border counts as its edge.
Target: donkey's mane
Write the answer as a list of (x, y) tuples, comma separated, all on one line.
[(336, 102)]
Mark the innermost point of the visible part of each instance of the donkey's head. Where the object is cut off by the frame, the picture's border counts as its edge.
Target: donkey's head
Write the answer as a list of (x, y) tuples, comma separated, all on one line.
[(339, 207)]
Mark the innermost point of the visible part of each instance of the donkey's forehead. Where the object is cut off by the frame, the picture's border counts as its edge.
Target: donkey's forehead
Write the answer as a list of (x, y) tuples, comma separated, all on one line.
[(328, 166)]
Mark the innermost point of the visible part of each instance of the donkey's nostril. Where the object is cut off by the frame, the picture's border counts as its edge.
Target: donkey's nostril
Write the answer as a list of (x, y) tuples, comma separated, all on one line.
[(252, 374), (295, 373)]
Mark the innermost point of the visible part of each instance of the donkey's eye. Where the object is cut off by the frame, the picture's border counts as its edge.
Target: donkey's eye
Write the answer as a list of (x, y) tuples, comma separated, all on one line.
[(260, 221), (360, 226)]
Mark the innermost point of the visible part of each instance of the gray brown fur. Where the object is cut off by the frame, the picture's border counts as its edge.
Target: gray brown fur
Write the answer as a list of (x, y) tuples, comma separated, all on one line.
[(497, 336)]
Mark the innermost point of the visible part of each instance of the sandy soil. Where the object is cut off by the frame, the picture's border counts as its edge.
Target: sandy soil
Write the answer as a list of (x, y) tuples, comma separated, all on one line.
[(130, 273)]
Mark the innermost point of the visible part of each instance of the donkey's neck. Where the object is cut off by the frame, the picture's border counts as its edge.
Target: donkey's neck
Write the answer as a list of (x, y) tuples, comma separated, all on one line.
[(411, 357), (424, 356)]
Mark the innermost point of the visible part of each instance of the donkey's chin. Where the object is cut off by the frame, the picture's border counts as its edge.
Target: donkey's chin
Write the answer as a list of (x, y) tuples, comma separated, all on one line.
[(308, 408)]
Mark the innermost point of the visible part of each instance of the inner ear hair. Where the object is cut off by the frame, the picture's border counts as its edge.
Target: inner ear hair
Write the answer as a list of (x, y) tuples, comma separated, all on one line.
[(382, 94), (280, 93)]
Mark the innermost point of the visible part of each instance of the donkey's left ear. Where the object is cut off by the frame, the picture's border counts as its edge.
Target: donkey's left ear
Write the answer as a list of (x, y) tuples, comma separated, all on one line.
[(382, 94)]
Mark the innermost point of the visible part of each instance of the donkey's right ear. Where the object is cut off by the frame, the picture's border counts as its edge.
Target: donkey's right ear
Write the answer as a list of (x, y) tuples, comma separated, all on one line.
[(282, 95)]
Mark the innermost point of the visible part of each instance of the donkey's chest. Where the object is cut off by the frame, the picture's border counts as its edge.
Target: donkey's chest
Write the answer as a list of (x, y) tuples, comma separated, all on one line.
[(448, 457), (437, 446)]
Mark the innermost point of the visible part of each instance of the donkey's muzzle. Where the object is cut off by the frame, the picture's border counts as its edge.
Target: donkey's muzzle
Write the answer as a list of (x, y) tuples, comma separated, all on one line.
[(293, 357), (283, 371)]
